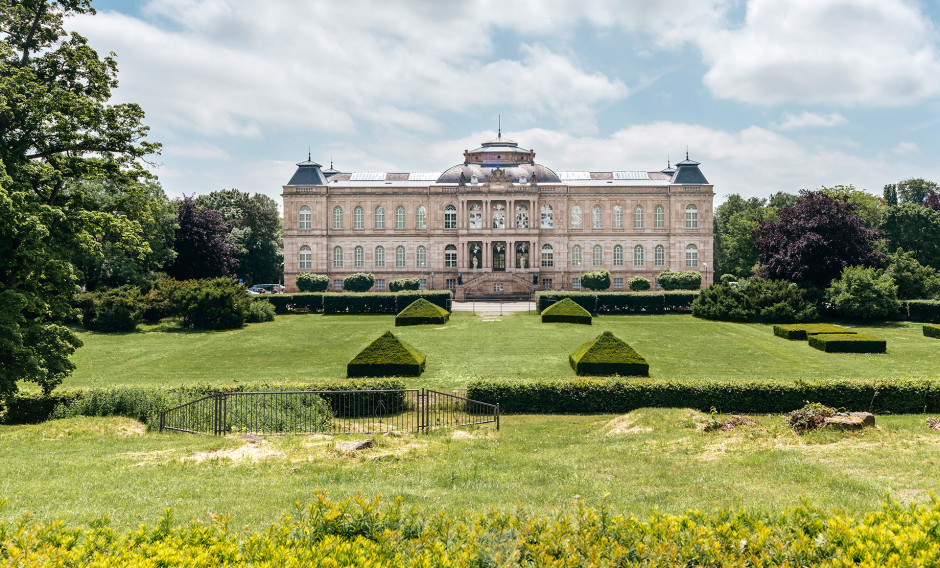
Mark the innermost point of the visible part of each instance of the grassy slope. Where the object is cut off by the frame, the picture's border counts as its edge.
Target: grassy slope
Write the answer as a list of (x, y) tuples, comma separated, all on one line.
[(299, 347), (79, 469)]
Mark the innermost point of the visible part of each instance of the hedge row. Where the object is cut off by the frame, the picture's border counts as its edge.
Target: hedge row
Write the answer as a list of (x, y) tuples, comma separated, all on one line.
[(356, 303), (847, 343), (622, 302), (145, 404), (801, 331), (927, 311), (607, 396), (932, 331)]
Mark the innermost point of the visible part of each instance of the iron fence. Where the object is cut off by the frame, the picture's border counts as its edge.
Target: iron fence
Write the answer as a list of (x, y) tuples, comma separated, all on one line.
[(327, 412)]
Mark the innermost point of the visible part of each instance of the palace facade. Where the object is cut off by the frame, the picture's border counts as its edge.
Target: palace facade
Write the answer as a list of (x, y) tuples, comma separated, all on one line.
[(497, 224)]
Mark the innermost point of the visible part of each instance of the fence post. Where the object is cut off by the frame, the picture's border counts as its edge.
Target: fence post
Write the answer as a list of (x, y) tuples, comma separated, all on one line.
[(162, 419), (497, 417), (217, 419)]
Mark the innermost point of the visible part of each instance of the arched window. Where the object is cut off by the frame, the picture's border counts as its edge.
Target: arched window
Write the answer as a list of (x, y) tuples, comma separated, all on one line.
[(576, 255), (305, 258), (618, 217), (306, 218), (576, 217), (522, 216), (450, 256), (638, 217), (421, 218), (337, 257), (421, 256), (399, 217), (358, 218), (659, 255), (597, 219), (380, 257), (691, 256), (379, 217), (618, 255), (691, 216), (548, 256), (359, 257), (597, 255), (337, 217), (548, 217), (659, 217), (399, 256), (638, 255), (450, 217)]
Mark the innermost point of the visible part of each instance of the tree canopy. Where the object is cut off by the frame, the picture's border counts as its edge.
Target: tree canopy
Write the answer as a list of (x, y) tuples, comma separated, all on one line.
[(202, 250)]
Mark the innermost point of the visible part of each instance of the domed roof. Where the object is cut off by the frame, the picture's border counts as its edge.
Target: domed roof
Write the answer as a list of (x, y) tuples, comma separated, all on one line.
[(499, 154)]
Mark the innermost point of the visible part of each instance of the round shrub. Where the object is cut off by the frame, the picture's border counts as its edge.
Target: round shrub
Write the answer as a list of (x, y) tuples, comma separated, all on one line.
[(728, 278), (260, 311), (400, 284), (309, 282), (112, 310), (680, 279), (219, 303), (358, 282), (596, 280), (861, 293), (639, 284)]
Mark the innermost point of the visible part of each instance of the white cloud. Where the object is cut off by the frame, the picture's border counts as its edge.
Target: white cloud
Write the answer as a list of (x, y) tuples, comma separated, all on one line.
[(844, 52), (806, 119)]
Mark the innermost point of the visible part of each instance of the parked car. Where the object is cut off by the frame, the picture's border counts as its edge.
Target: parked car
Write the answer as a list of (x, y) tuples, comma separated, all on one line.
[(266, 289)]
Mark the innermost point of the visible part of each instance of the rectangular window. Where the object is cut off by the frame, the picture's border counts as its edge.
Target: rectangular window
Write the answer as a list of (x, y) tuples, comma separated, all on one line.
[(423, 284), (497, 288), (450, 259), (338, 285), (576, 283), (546, 283), (659, 256), (451, 283), (618, 255), (379, 284), (618, 283)]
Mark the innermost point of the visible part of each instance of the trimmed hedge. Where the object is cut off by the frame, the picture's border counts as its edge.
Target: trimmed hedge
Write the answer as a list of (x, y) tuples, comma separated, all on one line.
[(927, 311), (387, 356), (847, 343), (616, 396), (932, 331), (607, 355), (422, 312), (801, 331), (566, 310), (356, 303), (622, 302)]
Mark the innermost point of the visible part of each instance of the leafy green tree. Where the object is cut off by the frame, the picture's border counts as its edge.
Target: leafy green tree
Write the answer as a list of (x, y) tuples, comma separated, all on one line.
[(309, 282), (358, 282), (56, 125), (596, 280), (914, 280), (912, 190), (255, 232), (916, 229), (869, 207), (861, 293)]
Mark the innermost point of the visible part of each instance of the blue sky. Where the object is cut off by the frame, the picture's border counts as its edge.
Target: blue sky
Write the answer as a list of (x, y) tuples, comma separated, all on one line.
[(770, 95)]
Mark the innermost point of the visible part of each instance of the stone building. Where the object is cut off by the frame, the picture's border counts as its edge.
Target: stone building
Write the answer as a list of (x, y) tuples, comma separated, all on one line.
[(497, 224)]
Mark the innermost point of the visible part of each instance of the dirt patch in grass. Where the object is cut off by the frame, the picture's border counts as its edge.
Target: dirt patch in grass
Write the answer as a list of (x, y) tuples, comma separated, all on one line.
[(728, 424), (625, 425), (90, 426), (248, 452)]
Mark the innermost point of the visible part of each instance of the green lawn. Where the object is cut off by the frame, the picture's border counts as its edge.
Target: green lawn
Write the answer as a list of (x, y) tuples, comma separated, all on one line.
[(82, 468), (316, 347)]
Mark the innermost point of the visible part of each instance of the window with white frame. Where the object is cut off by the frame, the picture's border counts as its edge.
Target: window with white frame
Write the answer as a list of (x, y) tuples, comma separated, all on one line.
[(399, 217), (597, 255), (476, 216), (548, 256), (597, 217), (577, 220), (522, 216), (450, 217), (450, 256), (305, 258), (691, 216), (399, 256), (618, 255), (379, 257), (691, 256), (338, 285), (421, 256), (337, 217), (618, 217), (359, 257), (659, 255), (618, 283), (379, 218), (450, 283), (659, 217), (499, 216), (638, 217), (576, 255), (379, 284), (337, 257), (421, 218), (359, 218), (638, 255), (305, 220), (548, 217), (576, 283)]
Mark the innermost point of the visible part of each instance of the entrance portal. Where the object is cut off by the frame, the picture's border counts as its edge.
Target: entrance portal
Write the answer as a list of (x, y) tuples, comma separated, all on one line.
[(499, 257)]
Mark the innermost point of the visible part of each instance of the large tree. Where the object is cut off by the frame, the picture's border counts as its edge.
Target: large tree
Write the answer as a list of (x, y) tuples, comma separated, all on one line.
[(56, 125), (915, 229), (255, 232), (912, 190), (812, 241), (735, 221), (202, 250)]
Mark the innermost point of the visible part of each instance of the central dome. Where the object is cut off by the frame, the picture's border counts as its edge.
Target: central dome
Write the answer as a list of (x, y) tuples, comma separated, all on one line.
[(518, 164)]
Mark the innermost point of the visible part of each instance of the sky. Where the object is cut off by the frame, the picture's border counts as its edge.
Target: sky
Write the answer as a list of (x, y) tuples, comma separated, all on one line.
[(769, 95)]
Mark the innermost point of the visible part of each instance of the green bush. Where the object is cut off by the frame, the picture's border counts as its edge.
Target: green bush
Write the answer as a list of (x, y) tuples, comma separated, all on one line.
[(387, 356), (728, 278), (679, 279), (358, 282), (927, 311), (361, 303), (596, 280), (286, 303), (617, 396), (114, 310), (914, 280), (630, 303), (755, 300), (847, 343), (639, 284), (400, 284), (586, 300), (861, 293), (356, 303), (622, 302), (219, 303), (932, 331), (307, 282), (566, 310), (422, 312), (156, 300), (260, 311), (802, 331), (679, 300), (442, 298), (607, 355)]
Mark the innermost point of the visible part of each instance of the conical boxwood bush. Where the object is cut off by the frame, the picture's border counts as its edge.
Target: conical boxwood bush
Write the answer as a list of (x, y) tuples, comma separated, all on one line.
[(422, 312), (566, 310), (387, 356), (607, 355)]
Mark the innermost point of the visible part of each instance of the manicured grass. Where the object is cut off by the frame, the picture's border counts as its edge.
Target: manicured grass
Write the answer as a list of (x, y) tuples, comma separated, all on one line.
[(83, 468), (316, 347)]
